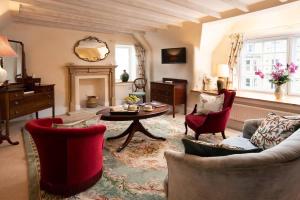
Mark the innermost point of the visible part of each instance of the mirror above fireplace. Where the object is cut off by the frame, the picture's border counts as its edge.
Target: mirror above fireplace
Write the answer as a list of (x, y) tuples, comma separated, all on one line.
[(91, 49)]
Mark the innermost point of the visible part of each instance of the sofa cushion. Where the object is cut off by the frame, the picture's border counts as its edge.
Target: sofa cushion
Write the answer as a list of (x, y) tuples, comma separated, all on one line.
[(273, 130), (204, 149), (210, 103), (239, 142)]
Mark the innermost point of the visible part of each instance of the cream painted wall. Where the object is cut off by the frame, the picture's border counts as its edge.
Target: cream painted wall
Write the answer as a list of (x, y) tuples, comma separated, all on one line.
[(186, 36), (123, 90), (5, 17), (49, 50)]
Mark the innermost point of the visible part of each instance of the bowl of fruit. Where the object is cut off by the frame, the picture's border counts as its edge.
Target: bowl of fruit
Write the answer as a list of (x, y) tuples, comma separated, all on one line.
[(132, 99)]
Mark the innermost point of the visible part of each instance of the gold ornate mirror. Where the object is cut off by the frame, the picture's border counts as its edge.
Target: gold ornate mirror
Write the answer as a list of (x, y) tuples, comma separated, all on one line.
[(91, 49)]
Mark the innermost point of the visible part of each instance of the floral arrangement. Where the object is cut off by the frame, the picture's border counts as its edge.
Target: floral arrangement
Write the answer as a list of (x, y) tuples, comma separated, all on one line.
[(280, 75)]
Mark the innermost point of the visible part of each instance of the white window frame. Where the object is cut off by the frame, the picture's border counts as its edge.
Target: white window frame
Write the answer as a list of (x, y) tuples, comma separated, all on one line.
[(291, 39), (132, 61)]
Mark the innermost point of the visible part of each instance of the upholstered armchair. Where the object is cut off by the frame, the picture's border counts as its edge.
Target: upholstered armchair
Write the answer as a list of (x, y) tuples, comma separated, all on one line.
[(214, 122), (272, 174), (70, 158)]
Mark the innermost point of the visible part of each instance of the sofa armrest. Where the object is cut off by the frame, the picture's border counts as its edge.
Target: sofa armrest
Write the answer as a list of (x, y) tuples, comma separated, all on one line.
[(235, 176), (250, 126)]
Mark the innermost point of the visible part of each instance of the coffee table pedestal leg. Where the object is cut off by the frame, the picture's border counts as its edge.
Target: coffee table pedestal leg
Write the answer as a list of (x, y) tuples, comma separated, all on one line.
[(135, 126)]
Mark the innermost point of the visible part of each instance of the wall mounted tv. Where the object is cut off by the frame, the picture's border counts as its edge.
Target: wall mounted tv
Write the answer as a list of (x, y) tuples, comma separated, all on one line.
[(173, 55)]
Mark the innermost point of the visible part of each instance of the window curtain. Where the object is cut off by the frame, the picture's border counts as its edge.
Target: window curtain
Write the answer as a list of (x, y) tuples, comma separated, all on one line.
[(141, 56), (237, 40)]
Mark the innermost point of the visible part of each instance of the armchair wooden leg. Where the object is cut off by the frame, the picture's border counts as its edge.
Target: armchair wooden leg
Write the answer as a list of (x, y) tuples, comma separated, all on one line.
[(197, 136), (214, 133), (186, 128), (223, 135)]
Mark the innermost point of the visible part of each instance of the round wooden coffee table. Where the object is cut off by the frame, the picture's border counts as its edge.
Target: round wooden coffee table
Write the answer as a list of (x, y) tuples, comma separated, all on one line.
[(135, 125)]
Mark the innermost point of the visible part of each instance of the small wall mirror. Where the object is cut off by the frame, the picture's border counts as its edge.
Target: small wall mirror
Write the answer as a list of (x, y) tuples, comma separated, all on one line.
[(91, 49)]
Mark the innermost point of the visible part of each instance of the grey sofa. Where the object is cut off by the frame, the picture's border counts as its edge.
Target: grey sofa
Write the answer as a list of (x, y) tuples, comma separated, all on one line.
[(273, 174)]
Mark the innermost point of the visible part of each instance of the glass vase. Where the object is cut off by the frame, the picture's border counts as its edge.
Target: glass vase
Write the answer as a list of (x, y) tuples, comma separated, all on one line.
[(279, 92)]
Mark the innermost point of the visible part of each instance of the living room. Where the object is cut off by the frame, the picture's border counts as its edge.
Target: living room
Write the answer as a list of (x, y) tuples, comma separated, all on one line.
[(131, 73)]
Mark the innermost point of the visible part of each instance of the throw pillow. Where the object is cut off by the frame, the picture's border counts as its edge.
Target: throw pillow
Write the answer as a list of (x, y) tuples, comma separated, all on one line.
[(273, 130), (210, 103), (80, 124), (205, 149)]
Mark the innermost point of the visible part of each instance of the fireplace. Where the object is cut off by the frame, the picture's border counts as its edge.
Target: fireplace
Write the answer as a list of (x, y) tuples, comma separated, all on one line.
[(77, 73)]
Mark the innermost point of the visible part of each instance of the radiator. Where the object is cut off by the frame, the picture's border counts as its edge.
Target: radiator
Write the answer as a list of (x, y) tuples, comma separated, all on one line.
[(241, 112)]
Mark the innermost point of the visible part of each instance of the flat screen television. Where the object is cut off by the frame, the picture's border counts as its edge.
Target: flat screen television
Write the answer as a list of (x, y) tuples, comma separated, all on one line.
[(173, 55)]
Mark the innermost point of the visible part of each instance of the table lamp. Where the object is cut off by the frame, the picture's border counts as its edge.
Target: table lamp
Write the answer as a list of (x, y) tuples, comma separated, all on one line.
[(223, 74), (5, 51)]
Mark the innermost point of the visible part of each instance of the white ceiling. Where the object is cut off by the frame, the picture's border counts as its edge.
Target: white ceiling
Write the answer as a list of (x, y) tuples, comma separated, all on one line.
[(125, 16)]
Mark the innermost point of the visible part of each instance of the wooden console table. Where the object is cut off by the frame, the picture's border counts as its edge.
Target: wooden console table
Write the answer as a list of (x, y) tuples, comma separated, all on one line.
[(170, 91), (15, 103)]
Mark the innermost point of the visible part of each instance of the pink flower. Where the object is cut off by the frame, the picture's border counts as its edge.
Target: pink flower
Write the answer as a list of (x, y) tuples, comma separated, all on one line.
[(277, 74), (278, 65), (292, 68), (260, 74)]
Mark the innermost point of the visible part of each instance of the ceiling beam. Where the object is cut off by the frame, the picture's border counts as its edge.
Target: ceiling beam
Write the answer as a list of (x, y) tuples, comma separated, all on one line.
[(47, 19), (79, 19), (66, 7), (123, 10), (194, 5), (66, 26), (237, 4), (165, 7)]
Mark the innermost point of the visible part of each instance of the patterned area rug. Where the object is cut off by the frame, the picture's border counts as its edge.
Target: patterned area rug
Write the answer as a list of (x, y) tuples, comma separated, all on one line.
[(135, 173)]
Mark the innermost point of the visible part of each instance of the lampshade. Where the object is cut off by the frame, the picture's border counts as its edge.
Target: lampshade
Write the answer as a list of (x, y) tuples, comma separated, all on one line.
[(5, 48), (5, 51), (223, 70)]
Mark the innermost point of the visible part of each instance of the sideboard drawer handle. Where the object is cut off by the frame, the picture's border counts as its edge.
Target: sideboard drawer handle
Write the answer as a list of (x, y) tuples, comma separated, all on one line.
[(16, 112), (16, 95), (16, 103)]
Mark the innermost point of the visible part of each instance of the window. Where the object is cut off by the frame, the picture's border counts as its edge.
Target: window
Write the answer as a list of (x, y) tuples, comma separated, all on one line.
[(294, 86), (126, 60), (261, 55)]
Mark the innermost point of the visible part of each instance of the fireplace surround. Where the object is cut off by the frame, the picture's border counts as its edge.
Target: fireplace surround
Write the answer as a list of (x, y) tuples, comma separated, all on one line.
[(79, 72)]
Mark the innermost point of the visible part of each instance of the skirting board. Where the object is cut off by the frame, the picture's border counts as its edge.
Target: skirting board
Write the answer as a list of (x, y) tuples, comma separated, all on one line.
[(236, 125)]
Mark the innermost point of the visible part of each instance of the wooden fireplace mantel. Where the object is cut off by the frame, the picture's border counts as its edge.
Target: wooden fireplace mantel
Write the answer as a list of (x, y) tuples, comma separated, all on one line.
[(97, 71)]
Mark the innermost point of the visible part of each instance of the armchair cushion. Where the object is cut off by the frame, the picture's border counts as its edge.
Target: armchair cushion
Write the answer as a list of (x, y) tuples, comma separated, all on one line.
[(210, 103), (204, 149), (273, 130)]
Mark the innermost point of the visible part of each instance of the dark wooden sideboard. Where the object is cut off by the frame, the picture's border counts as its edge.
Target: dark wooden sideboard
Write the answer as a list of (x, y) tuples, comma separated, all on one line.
[(15, 102), (170, 91)]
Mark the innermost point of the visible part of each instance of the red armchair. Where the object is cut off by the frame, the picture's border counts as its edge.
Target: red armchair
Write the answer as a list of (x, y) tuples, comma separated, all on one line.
[(212, 122), (70, 158)]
